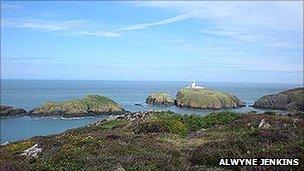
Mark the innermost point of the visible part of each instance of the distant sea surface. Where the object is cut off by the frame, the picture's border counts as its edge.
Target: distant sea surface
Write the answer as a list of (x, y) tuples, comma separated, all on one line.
[(29, 94)]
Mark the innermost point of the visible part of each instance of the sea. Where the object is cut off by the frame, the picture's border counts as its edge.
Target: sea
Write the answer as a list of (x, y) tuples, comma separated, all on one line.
[(29, 94)]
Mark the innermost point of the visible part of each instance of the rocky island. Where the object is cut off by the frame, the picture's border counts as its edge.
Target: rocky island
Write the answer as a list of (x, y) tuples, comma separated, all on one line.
[(204, 98), (198, 97), (163, 141), (160, 98), (88, 106), (292, 99)]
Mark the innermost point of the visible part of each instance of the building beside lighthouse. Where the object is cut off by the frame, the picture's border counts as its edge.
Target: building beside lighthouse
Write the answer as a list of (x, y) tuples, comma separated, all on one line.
[(194, 86)]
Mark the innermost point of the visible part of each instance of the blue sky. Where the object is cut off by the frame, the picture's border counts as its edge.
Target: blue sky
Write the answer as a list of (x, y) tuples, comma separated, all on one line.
[(171, 41)]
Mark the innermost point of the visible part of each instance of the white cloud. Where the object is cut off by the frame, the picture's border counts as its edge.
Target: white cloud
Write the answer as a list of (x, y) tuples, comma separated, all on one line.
[(117, 32), (95, 33), (78, 27), (69, 27), (276, 15), (157, 23), (273, 24), (267, 38), (44, 25), (243, 21)]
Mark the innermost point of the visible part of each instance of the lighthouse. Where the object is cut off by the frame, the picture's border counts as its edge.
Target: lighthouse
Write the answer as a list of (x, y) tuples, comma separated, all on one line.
[(194, 86)]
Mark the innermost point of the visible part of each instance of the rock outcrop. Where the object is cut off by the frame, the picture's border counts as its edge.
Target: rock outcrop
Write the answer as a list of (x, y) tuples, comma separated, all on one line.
[(88, 106), (206, 99), (292, 99), (11, 111), (160, 99), (32, 152)]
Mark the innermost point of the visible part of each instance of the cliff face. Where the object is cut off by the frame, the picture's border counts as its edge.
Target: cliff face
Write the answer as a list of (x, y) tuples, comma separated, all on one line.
[(160, 99), (292, 99), (89, 105), (206, 99)]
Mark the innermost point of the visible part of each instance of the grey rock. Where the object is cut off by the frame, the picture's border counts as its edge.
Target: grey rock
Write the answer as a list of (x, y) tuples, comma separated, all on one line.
[(11, 111)]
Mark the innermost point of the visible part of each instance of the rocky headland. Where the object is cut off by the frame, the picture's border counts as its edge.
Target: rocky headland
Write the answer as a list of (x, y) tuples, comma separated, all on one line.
[(163, 141), (11, 111), (206, 99), (292, 99), (160, 98), (90, 105)]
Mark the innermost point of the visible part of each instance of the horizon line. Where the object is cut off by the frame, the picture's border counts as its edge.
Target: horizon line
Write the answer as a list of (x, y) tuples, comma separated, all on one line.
[(35, 79)]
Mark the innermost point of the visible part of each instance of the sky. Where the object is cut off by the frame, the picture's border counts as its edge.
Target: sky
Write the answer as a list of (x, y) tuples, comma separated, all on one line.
[(221, 41)]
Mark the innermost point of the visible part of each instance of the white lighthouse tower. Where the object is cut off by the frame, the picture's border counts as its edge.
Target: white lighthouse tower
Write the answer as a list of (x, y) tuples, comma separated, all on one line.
[(194, 86)]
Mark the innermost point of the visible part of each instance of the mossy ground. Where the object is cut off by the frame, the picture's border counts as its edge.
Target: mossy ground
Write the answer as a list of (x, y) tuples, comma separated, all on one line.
[(160, 98), (90, 104), (164, 141), (206, 99)]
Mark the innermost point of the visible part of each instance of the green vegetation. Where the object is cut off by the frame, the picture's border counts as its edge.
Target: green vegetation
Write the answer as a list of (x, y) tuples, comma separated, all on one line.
[(164, 141), (89, 105), (172, 122), (18, 147), (160, 98), (206, 99), (194, 122), (183, 124), (112, 124)]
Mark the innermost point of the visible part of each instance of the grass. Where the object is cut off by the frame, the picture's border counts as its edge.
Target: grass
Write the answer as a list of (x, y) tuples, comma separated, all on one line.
[(205, 98), (160, 98), (89, 104)]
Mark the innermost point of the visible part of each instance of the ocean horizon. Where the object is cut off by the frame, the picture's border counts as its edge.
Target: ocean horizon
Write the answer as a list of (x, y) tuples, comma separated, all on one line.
[(186, 81)]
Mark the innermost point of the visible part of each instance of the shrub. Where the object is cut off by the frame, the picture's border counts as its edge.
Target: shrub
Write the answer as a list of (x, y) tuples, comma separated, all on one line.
[(194, 122), (172, 122), (209, 154), (269, 113), (181, 125), (149, 127), (219, 118), (301, 143), (19, 147), (112, 124), (176, 127)]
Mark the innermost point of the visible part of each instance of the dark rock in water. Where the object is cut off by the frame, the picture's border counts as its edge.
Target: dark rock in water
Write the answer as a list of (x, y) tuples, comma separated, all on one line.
[(88, 106), (10, 111), (160, 99), (205, 98), (292, 99), (138, 104)]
